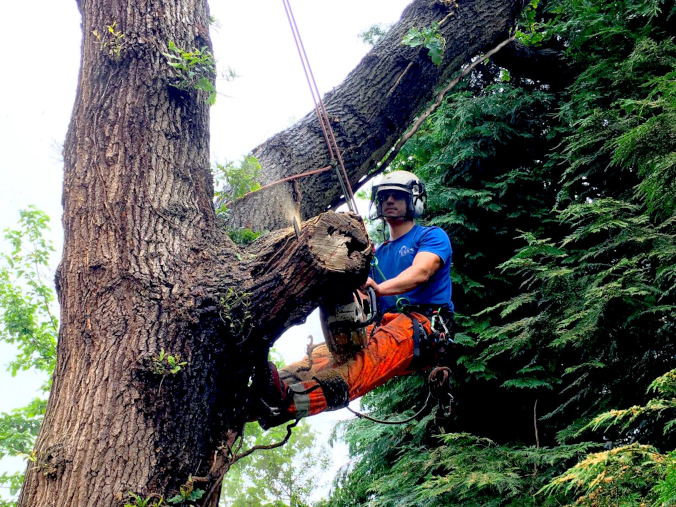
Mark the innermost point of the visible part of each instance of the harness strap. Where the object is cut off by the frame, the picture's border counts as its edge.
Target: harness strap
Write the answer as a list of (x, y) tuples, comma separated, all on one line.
[(415, 362), (416, 336)]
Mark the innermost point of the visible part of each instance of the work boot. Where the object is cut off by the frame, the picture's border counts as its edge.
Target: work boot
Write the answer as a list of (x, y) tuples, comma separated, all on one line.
[(271, 397)]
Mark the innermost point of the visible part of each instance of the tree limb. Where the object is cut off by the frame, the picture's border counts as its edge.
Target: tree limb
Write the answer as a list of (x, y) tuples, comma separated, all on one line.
[(367, 120), (290, 275)]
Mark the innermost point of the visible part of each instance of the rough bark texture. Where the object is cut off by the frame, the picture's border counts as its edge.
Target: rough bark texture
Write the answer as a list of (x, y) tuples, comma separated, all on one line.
[(146, 267), (371, 109)]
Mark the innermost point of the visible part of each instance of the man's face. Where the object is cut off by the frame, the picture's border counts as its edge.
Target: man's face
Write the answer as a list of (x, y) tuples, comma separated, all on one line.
[(393, 203)]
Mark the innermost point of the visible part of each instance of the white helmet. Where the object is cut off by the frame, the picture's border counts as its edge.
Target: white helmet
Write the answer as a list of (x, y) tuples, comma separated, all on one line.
[(403, 181)]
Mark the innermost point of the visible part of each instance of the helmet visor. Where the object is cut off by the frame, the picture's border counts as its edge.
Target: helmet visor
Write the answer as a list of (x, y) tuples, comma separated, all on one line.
[(397, 195)]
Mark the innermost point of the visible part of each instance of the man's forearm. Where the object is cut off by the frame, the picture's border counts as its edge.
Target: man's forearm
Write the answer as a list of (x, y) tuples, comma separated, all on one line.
[(407, 280), (425, 264)]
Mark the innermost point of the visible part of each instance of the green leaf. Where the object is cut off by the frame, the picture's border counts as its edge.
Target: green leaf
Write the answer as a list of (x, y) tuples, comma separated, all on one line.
[(205, 85), (196, 495), (413, 38)]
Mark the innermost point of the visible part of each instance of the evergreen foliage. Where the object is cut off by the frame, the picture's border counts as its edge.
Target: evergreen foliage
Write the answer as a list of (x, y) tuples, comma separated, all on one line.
[(561, 208)]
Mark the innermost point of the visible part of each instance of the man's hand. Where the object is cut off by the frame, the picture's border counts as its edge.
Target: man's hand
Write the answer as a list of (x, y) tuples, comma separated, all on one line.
[(370, 282), (425, 264)]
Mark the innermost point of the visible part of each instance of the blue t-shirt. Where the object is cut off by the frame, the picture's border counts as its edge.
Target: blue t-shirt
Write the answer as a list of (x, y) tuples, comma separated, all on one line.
[(393, 257)]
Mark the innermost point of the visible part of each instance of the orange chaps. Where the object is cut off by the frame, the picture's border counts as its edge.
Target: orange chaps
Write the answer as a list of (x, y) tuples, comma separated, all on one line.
[(325, 385)]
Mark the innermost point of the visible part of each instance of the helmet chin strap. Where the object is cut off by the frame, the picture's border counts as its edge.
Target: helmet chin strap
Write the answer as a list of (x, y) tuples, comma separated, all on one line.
[(406, 216)]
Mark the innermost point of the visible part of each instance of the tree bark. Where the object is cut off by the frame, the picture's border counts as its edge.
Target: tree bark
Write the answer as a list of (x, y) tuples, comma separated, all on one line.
[(370, 110), (147, 270)]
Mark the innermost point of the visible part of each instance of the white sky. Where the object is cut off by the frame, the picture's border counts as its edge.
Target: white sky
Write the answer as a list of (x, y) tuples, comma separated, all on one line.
[(41, 40)]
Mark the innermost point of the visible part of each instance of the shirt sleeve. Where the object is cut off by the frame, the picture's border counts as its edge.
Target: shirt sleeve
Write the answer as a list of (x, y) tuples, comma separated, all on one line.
[(436, 241)]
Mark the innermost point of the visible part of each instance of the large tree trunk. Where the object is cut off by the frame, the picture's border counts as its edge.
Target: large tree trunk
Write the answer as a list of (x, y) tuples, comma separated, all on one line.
[(370, 110), (146, 268)]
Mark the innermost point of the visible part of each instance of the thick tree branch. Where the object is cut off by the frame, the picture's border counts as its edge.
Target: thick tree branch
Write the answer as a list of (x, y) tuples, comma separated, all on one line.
[(290, 275), (367, 119), (433, 107)]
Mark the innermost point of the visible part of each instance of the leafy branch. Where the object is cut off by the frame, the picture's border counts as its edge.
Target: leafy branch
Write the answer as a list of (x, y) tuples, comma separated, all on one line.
[(193, 70), (429, 38), (110, 41), (236, 180), (27, 323)]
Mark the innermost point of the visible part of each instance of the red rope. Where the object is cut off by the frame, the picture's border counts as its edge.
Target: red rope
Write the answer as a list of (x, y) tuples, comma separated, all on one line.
[(306, 70), (288, 178)]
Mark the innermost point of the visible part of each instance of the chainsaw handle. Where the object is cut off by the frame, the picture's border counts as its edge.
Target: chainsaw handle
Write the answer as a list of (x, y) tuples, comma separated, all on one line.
[(373, 303)]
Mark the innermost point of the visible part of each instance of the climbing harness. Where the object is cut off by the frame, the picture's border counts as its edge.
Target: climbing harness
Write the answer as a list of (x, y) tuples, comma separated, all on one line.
[(440, 340), (441, 319), (322, 115)]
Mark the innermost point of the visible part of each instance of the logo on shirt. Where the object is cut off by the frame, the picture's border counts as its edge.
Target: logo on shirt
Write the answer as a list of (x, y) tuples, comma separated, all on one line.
[(404, 251)]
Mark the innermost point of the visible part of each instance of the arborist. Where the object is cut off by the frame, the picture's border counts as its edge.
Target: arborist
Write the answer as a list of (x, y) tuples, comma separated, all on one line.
[(410, 276)]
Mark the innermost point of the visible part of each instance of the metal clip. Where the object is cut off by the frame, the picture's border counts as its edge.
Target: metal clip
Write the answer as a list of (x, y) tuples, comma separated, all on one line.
[(443, 324), (274, 411)]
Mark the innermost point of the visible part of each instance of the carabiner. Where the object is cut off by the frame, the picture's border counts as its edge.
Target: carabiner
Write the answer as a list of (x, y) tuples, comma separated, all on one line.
[(402, 303)]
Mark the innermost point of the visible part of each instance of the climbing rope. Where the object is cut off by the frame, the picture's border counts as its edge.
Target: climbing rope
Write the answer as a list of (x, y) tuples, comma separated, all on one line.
[(374, 265), (361, 415), (402, 302), (438, 381), (322, 115)]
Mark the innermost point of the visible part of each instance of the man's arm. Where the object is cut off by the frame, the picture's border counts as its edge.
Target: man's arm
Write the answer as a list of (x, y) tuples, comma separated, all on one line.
[(425, 264)]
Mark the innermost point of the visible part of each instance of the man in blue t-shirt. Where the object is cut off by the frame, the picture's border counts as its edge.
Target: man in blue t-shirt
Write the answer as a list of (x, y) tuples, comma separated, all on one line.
[(412, 268), (411, 277)]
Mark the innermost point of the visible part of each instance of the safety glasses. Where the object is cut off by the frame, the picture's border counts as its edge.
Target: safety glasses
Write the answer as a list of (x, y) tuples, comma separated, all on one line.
[(398, 195)]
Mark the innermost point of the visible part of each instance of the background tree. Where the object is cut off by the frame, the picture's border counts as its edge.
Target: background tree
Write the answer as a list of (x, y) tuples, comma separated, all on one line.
[(283, 477), (27, 323)]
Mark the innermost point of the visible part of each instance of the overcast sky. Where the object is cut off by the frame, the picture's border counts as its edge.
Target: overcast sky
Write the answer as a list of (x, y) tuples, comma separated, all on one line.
[(41, 44)]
